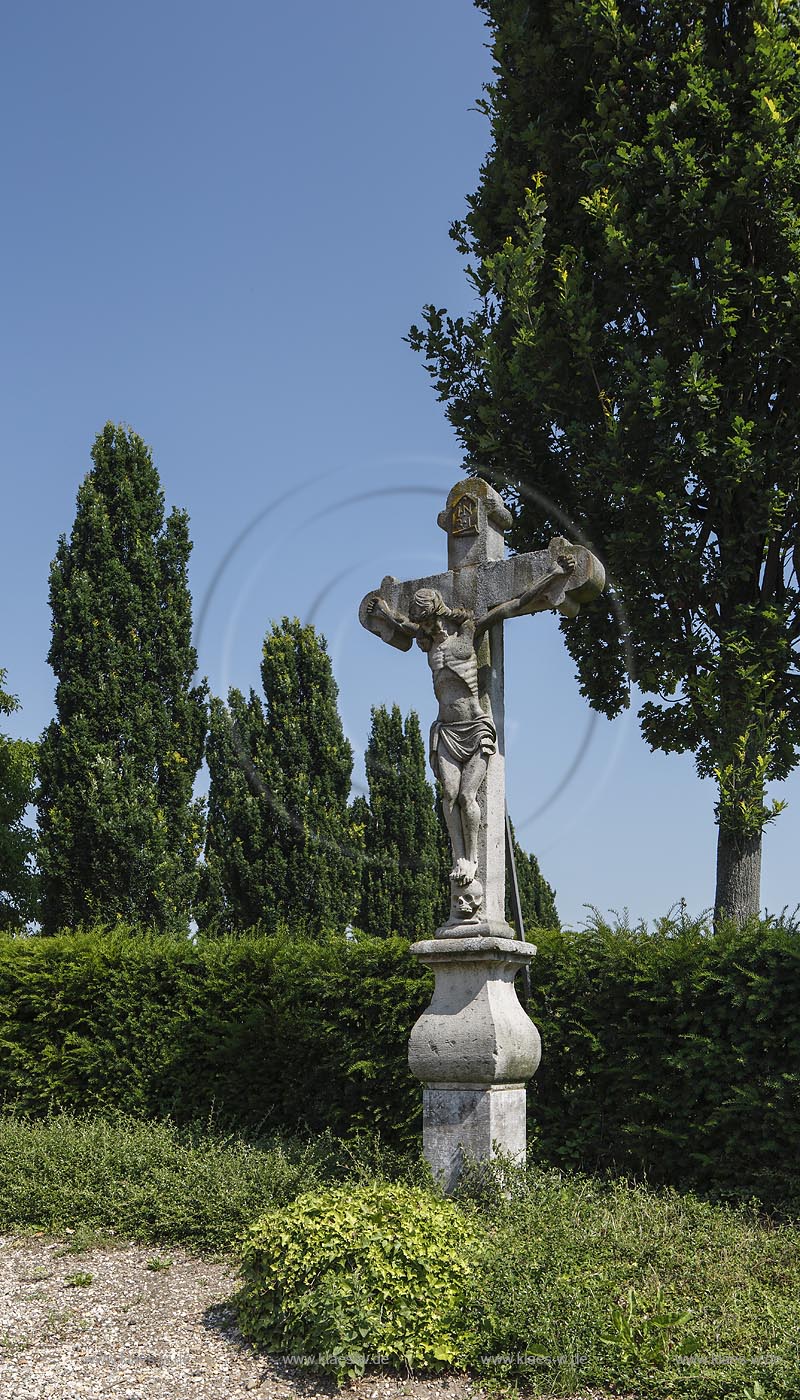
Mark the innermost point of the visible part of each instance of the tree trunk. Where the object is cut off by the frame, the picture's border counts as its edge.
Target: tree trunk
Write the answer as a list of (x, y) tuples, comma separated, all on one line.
[(738, 895)]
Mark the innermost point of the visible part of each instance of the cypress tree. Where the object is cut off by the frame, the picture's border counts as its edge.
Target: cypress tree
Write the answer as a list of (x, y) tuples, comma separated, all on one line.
[(17, 841), (120, 831), (537, 898), (235, 889), (404, 886), (281, 845)]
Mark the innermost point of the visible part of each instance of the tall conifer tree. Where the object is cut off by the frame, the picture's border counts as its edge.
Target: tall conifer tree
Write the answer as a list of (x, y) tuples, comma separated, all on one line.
[(281, 844), (404, 886), (120, 831), (235, 878), (537, 898), (17, 841)]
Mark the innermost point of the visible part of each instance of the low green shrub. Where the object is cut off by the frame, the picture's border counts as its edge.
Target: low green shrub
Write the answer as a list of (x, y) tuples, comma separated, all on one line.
[(349, 1276)]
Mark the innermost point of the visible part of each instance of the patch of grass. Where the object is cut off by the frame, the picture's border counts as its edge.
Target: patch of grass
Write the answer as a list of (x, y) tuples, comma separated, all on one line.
[(607, 1284), (84, 1238), (586, 1284), (79, 1280), (149, 1182), (10, 1344), (59, 1322), (157, 1265)]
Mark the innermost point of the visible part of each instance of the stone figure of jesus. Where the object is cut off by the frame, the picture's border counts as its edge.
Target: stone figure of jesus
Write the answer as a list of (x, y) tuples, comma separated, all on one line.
[(463, 736)]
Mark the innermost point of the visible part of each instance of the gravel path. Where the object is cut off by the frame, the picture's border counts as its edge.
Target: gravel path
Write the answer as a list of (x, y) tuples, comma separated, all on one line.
[(101, 1323)]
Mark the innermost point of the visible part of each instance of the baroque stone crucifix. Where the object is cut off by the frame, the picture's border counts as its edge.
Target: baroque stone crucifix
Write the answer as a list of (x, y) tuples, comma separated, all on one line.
[(457, 619)]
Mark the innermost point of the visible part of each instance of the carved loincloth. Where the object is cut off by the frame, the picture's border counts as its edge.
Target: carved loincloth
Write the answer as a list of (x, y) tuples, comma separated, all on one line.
[(462, 738)]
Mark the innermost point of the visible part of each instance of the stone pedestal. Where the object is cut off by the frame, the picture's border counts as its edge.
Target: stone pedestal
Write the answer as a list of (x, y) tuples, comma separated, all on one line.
[(474, 1048)]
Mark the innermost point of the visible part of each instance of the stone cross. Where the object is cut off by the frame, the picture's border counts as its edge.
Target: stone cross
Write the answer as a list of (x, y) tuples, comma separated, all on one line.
[(457, 618), (474, 1047)]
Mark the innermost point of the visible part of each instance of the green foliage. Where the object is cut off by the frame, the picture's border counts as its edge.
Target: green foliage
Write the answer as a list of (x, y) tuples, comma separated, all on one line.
[(290, 1031), (404, 884), (120, 831), (148, 1181), (235, 878), (644, 1333), (281, 844), (672, 1053), (594, 1286), (573, 1285), (537, 898), (18, 884), (635, 246), (350, 1276)]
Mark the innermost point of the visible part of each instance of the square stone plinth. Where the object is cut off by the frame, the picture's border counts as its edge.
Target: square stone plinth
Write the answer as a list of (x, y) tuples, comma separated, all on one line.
[(477, 1121)]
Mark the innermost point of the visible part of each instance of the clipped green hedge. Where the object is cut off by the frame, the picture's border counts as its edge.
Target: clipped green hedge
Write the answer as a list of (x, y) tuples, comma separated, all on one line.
[(257, 1032), (675, 1054)]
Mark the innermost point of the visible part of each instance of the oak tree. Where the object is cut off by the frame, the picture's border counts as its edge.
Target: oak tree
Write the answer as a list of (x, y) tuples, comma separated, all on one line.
[(631, 373)]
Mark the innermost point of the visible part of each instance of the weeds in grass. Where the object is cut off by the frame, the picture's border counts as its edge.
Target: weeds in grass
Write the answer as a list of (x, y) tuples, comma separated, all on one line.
[(587, 1283), (601, 1284), (147, 1181), (84, 1238), (10, 1344), (645, 1332)]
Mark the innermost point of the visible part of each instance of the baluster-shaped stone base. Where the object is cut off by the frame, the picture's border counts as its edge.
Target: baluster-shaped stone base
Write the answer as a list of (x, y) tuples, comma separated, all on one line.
[(474, 1048)]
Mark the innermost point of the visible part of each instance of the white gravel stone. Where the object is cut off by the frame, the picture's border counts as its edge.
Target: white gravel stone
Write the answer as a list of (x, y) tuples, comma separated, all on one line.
[(139, 1334)]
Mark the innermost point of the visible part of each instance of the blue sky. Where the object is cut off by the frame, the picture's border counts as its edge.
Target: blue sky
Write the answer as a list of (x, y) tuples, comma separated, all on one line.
[(219, 224)]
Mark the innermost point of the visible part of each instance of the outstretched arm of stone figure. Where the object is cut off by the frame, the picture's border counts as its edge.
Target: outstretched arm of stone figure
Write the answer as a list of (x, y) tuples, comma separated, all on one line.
[(513, 607), (397, 619)]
